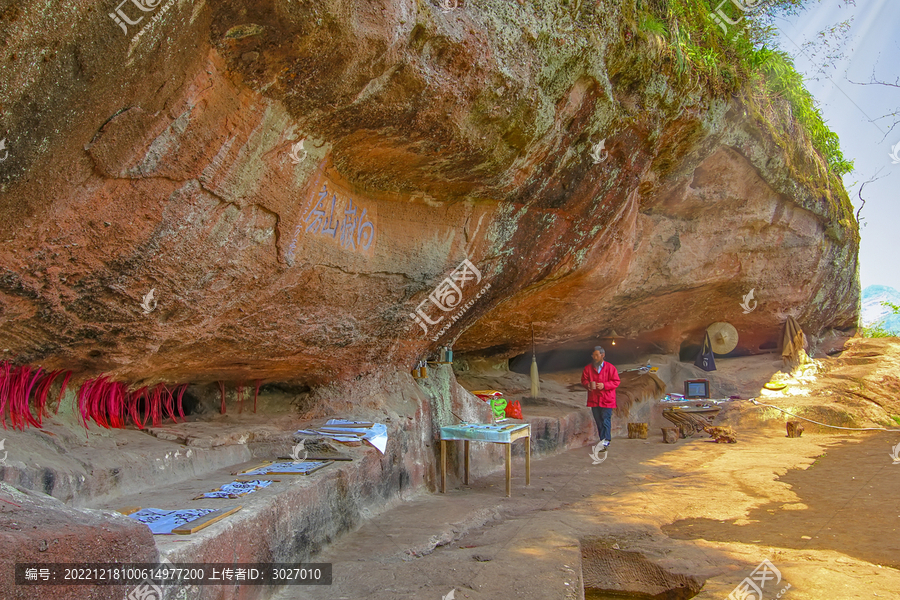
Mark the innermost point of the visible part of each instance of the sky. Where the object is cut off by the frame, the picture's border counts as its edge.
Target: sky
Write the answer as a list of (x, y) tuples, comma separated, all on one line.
[(872, 47)]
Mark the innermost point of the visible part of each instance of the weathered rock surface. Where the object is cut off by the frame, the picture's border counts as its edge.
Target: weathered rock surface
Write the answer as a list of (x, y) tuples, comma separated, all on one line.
[(35, 528), (164, 156)]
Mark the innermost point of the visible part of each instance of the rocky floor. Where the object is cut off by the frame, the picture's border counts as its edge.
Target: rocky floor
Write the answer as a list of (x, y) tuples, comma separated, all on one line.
[(822, 508)]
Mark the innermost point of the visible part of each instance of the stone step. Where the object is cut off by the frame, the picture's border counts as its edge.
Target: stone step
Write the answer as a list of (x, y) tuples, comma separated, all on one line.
[(301, 515), (464, 540)]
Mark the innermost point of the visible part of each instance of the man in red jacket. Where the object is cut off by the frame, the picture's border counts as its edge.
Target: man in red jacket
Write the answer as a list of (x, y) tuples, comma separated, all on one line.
[(601, 379)]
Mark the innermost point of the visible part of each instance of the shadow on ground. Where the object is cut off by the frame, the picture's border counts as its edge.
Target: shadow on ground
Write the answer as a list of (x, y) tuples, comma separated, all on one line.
[(849, 502)]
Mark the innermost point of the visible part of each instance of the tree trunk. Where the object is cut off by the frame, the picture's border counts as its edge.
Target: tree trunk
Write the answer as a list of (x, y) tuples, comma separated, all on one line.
[(670, 435), (688, 423)]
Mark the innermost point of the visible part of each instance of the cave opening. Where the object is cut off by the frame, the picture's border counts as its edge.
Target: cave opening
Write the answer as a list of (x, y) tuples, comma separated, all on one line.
[(575, 358)]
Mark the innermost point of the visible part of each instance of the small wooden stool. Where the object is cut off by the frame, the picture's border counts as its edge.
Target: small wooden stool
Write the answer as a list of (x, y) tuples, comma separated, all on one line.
[(637, 431), (794, 429)]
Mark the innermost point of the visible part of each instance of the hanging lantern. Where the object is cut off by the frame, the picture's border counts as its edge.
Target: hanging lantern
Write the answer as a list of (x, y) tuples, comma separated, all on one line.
[(614, 336)]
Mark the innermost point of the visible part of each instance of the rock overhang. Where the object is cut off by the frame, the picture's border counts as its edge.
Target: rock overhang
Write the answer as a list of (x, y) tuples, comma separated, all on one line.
[(435, 137)]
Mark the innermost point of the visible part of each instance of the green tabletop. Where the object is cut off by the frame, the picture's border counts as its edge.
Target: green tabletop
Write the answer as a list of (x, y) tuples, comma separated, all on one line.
[(485, 432)]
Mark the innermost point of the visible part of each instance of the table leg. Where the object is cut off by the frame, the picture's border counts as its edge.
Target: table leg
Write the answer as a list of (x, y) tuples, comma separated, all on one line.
[(467, 462), (528, 460), (443, 466), (508, 467)]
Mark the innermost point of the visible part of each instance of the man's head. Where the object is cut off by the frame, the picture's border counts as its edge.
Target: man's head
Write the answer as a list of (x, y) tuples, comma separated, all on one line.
[(598, 354)]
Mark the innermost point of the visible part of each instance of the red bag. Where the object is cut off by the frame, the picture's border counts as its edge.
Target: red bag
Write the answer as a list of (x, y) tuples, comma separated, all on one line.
[(514, 410)]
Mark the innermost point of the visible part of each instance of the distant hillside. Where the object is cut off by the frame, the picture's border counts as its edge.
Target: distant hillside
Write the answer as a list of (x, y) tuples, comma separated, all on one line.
[(873, 311)]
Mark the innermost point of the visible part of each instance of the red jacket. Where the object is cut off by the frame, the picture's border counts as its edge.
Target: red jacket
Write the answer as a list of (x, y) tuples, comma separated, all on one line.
[(610, 378)]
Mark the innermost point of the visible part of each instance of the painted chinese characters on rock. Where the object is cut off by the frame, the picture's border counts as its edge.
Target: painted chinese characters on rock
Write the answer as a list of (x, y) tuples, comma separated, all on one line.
[(333, 214), (340, 219)]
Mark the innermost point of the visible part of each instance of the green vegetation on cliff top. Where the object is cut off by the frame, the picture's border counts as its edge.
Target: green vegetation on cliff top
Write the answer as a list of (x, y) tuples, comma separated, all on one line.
[(740, 56)]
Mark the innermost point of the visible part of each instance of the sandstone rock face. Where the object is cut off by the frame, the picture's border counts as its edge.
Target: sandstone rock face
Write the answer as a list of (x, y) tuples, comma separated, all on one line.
[(35, 528), (165, 156)]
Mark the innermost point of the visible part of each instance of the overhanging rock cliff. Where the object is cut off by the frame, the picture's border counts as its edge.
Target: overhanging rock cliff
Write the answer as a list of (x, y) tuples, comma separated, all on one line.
[(590, 188)]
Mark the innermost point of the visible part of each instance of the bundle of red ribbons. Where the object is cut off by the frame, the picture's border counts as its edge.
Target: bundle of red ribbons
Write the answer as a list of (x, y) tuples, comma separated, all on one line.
[(24, 393), (16, 385)]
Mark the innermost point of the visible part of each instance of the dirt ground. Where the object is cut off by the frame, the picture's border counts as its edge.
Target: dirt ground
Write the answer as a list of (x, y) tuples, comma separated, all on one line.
[(823, 508)]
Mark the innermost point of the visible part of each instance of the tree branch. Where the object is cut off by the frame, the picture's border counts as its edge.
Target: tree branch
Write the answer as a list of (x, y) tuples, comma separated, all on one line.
[(874, 178)]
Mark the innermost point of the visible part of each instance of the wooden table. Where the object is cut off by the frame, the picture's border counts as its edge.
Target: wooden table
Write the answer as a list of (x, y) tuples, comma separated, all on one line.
[(691, 419), (485, 432)]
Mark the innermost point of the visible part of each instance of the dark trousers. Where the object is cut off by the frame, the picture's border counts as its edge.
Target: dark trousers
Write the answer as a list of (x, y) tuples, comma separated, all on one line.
[(603, 418)]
